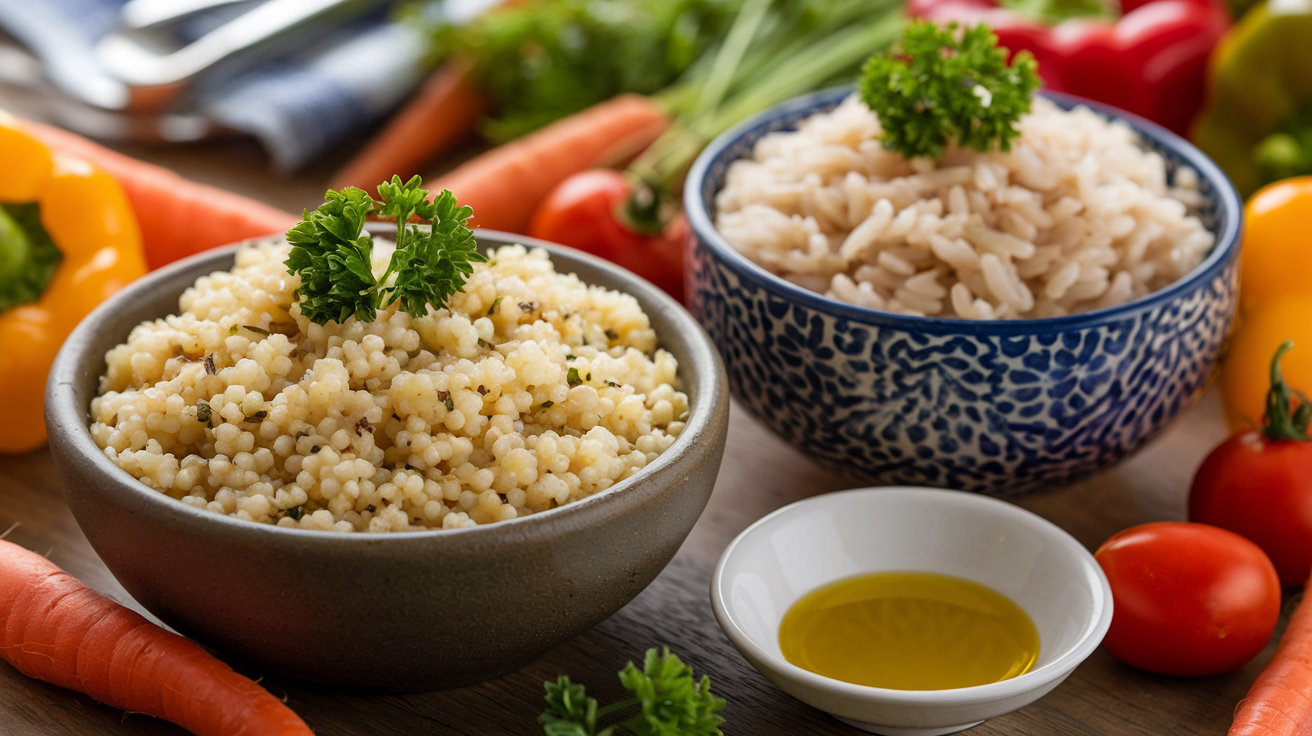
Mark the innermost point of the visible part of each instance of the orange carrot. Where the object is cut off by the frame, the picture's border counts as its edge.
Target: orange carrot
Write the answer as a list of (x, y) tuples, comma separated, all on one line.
[(505, 185), (1280, 701), (56, 629), (444, 111), (178, 217)]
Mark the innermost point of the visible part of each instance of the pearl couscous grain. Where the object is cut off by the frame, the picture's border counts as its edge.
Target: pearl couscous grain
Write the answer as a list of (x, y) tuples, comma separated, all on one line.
[(528, 391)]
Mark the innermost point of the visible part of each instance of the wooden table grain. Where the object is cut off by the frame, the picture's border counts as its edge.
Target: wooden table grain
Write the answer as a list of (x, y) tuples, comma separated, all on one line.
[(760, 473)]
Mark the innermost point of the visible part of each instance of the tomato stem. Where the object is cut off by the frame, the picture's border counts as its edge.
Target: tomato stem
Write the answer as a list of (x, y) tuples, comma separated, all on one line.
[(1280, 422), (646, 211)]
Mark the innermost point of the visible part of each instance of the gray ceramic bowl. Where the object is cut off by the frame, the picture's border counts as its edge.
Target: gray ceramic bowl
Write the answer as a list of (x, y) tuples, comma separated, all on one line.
[(406, 611), (999, 407)]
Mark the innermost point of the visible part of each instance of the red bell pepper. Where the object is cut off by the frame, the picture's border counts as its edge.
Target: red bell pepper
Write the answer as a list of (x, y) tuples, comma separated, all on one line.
[(1151, 61)]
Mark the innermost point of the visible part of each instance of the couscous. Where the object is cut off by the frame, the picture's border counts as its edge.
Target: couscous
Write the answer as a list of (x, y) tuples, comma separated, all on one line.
[(529, 390)]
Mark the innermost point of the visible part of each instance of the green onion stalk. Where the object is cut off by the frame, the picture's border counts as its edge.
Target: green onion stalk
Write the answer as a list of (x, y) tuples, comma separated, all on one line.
[(760, 63)]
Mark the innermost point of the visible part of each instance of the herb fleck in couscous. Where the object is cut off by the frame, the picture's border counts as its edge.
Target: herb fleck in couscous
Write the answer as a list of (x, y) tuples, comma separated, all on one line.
[(528, 391)]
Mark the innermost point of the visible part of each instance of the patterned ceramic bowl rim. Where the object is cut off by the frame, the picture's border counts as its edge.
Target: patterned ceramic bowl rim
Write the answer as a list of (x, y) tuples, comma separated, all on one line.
[(1227, 239)]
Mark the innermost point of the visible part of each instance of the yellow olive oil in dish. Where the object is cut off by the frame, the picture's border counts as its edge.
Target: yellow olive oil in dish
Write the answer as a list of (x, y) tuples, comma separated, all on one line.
[(909, 631)]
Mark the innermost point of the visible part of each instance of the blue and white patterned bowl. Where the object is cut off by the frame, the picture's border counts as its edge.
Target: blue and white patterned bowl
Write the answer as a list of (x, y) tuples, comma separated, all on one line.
[(999, 407)]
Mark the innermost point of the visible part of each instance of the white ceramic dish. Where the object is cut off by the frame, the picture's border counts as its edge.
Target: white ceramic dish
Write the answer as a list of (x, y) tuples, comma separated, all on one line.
[(837, 535)]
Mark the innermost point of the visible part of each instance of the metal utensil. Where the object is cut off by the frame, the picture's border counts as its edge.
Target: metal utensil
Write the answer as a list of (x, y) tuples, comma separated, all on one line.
[(143, 14), (24, 74), (156, 76)]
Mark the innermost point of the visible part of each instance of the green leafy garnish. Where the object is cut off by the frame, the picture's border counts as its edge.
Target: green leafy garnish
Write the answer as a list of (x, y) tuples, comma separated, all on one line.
[(544, 60), (948, 85), (334, 256), (669, 701), (28, 257)]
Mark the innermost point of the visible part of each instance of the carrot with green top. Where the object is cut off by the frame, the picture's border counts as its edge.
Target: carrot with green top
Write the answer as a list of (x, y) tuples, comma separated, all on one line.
[(443, 112), (505, 185), (54, 628)]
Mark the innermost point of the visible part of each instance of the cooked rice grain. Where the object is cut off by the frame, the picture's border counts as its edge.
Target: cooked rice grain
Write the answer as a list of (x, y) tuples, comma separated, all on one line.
[(1077, 216)]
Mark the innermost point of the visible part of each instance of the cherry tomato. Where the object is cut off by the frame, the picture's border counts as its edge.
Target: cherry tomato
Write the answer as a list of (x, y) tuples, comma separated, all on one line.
[(1262, 489), (582, 213), (1259, 483), (1244, 377), (1188, 599)]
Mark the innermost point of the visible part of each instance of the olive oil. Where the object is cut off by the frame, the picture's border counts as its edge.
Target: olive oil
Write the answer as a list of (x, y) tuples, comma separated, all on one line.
[(909, 631)]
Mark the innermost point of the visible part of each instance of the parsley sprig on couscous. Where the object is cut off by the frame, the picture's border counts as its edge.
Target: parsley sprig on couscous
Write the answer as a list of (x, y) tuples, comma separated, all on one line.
[(332, 253)]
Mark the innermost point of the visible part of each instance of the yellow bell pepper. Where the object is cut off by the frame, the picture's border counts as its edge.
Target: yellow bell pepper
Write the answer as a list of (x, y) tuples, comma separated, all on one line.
[(68, 239), (1245, 376), (1277, 254), (1275, 299)]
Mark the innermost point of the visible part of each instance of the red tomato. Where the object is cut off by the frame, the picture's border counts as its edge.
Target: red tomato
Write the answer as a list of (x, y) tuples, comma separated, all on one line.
[(582, 213), (1262, 489), (1188, 599)]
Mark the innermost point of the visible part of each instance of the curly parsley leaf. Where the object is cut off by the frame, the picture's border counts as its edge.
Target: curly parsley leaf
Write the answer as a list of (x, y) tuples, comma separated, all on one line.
[(547, 59), (938, 86), (672, 702), (430, 264), (669, 701), (333, 255), (570, 712)]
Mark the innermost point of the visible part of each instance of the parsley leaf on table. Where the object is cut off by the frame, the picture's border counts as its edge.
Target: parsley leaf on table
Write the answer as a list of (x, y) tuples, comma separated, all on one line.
[(670, 703), (943, 85), (570, 712)]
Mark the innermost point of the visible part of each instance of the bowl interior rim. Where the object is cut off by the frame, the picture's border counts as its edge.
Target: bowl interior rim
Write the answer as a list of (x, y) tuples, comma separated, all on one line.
[(1097, 618), (705, 372), (1227, 243)]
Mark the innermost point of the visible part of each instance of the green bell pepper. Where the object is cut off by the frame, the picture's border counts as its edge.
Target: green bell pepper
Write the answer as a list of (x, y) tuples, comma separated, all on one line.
[(1257, 124)]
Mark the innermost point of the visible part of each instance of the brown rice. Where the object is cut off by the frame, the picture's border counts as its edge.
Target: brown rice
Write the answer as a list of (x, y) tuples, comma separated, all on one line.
[(1077, 216)]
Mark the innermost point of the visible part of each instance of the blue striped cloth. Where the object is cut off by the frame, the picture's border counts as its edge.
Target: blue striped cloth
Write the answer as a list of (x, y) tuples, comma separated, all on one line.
[(298, 107)]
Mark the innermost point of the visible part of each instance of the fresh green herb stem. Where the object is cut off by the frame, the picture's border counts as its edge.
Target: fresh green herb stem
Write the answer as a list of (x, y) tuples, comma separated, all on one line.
[(771, 74), (617, 707), (730, 55), (667, 697)]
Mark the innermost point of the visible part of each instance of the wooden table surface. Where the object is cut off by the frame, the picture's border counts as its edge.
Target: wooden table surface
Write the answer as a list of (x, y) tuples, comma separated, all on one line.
[(760, 473)]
